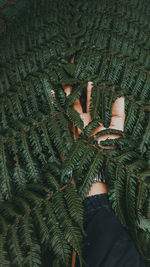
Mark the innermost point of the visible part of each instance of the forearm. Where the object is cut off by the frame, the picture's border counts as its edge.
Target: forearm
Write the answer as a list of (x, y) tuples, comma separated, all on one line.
[(96, 188)]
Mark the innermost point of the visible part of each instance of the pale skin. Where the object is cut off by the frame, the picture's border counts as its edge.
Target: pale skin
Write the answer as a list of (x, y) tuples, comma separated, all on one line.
[(117, 122)]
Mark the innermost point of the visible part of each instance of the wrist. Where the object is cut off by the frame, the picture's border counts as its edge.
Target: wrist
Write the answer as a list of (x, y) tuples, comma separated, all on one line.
[(97, 188)]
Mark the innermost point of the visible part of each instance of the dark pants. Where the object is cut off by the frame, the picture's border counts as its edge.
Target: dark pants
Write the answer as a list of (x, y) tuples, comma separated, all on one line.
[(107, 244)]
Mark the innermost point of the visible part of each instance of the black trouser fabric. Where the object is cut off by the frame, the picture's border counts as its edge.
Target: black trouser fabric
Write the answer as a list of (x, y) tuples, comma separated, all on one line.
[(107, 244)]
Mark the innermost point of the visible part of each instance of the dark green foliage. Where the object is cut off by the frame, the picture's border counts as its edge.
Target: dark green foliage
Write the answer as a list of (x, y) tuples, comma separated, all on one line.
[(110, 44)]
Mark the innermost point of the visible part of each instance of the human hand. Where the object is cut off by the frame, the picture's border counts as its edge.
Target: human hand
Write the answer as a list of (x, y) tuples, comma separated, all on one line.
[(117, 119)]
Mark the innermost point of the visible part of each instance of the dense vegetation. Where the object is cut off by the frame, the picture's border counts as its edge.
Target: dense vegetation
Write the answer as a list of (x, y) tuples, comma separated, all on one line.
[(110, 43)]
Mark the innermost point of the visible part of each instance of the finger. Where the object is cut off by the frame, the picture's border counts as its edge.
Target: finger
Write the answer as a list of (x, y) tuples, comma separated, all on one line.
[(73, 181), (118, 114), (105, 137), (77, 106), (75, 132), (72, 59), (98, 129), (67, 89), (108, 136), (86, 118), (108, 147), (53, 95), (89, 91)]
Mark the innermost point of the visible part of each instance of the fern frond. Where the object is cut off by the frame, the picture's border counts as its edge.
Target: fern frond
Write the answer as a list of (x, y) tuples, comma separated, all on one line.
[(55, 134), (145, 138), (71, 232), (95, 103), (4, 259), (73, 157), (74, 117), (66, 134), (97, 162), (143, 193), (110, 44), (76, 93), (3, 224), (41, 224), (90, 127), (4, 174), (120, 193), (85, 161), (35, 144), (133, 111), (31, 164), (145, 92), (14, 248), (58, 243), (109, 131), (143, 224), (51, 181), (46, 142), (74, 203), (123, 143), (29, 242)]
